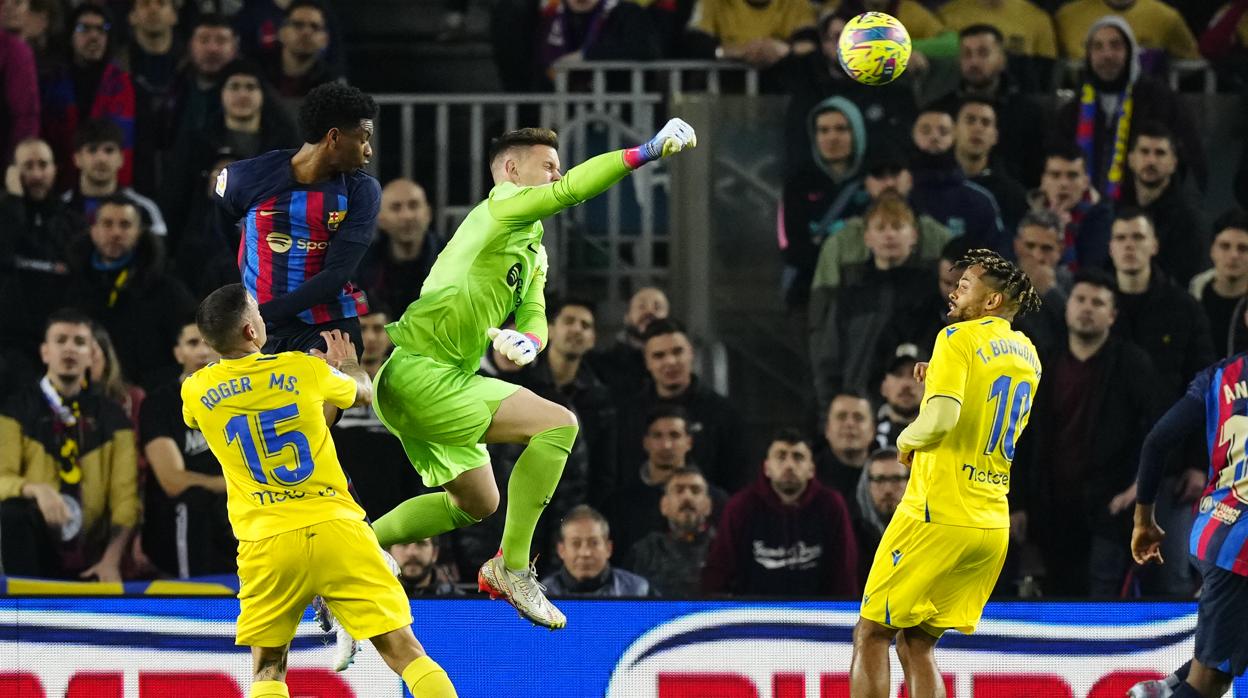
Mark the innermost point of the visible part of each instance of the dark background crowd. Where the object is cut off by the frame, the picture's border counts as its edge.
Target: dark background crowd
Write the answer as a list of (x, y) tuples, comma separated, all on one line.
[(115, 118)]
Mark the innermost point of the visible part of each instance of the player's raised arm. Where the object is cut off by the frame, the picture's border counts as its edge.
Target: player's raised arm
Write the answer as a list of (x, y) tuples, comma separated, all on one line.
[(534, 199), (340, 355)]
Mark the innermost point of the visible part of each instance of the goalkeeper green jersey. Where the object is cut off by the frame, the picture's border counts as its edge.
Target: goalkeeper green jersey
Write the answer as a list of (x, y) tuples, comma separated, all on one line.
[(494, 266)]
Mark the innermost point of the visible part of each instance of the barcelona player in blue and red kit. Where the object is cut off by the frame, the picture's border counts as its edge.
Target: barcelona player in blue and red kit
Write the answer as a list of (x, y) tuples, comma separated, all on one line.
[(307, 217), (1218, 399)]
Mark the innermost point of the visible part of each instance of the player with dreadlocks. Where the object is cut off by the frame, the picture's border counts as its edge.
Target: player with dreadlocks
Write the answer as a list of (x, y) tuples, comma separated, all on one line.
[(943, 549)]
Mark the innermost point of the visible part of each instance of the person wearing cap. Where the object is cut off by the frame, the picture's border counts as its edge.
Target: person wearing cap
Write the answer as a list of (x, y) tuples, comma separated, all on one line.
[(1113, 99), (68, 470), (816, 197), (901, 394)]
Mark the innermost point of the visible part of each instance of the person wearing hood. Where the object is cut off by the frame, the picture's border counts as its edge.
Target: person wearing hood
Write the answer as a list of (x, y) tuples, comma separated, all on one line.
[(1113, 98), (809, 79), (880, 487), (942, 191), (818, 196), (1160, 31), (120, 282), (786, 534)]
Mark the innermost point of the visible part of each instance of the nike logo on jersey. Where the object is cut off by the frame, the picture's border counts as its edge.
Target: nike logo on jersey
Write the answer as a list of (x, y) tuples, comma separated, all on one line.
[(267, 213), (533, 249)]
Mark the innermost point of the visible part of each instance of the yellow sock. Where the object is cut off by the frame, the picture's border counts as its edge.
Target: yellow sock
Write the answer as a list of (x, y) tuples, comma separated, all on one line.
[(425, 679), (269, 689)]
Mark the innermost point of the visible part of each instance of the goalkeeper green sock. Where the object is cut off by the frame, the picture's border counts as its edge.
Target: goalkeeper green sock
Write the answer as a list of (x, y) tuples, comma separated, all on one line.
[(532, 484), (419, 518)]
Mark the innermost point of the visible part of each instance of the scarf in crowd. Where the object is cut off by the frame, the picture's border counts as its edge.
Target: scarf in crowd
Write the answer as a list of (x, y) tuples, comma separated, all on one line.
[(1120, 126), (68, 428), (121, 280), (560, 39)]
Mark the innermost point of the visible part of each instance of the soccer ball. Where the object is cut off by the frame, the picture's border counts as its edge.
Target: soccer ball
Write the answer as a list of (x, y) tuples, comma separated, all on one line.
[(874, 48)]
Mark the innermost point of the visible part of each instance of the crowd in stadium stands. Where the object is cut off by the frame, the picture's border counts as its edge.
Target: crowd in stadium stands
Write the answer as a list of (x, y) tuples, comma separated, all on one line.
[(116, 118)]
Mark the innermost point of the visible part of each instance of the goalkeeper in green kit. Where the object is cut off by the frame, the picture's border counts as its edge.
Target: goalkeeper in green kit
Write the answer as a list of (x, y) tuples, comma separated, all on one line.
[(428, 392)]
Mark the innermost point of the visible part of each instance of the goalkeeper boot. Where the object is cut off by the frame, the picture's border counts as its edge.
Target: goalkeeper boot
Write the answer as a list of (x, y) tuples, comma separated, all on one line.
[(521, 590)]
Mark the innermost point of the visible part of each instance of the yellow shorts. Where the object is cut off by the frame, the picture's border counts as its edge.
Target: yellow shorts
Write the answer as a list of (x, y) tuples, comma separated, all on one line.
[(933, 576), (337, 559)]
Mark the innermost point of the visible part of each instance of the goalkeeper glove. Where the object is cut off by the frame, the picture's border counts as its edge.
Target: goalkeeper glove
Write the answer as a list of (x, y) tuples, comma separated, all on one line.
[(519, 348), (675, 136)]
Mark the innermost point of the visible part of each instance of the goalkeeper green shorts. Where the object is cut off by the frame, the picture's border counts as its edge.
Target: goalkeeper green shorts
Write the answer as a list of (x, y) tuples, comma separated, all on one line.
[(439, 413)]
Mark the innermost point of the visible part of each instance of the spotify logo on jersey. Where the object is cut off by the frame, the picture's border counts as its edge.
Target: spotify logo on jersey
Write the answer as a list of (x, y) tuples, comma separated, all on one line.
[(278, 242)]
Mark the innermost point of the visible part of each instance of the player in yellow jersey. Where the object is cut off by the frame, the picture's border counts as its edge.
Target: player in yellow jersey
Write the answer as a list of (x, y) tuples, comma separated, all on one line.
[(300, 533), (943, 550)]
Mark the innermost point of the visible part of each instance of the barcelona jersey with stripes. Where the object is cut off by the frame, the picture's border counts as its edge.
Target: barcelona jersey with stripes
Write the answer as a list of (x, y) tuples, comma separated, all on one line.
[(1220, 532), (288, 227)]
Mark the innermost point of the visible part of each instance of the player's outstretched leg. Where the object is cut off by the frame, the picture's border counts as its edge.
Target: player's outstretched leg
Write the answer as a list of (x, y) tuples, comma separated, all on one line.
[(868, 670), (470, 497), (550, 430), (403, 654)]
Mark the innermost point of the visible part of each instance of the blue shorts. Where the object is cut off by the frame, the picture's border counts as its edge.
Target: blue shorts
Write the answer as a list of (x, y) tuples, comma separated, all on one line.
[(296, 335), (1222, 619)]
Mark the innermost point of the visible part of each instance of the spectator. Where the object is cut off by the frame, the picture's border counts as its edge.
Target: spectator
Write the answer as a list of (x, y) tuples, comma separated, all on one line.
[(19, 119), (1026, 34), (1153, 312), (622, 365), (713, 421), (942, 191), (67, 468), (884, 172), (574, 31), (258, 25), (1065, 191), (810, 78), (786, 534), (38, 23), (845, 337), (419, 570), (759, 33), (850, 435), (817, 196), (1221, 290), (902, 394), (975, 136), (203, 258), (673, 558), (34, 251), (880, 487), (105, 377), (1081, 452), (1038, 249), (1224, 42), (121, 282), (186, 531), (585, 548), (399, 259), (1158, 28), (1167, 323), (560, 375), (99, 156), (982, 64), (154, 53), (1113, 91), (1156, 187), (299, 65), (196, 96), (250, 123), (88, 86), (381, 474)]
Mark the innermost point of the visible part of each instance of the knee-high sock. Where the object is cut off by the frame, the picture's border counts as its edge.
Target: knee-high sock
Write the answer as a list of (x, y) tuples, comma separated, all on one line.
[(425, 679), (532, 484), (420, 517), (268, 689)]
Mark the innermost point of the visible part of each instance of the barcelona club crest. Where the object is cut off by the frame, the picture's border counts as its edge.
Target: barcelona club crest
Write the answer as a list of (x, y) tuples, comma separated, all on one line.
[(335, 217)]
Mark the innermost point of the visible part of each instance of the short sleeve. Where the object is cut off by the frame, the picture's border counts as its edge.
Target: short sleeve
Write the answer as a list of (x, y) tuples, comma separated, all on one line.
[(229, 191), (364, 197), (336, 387), (950, 365), (188, 417)]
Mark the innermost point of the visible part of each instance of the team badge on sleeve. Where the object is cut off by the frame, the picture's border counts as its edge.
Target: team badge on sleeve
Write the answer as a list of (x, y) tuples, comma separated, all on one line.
[(222, 178)]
